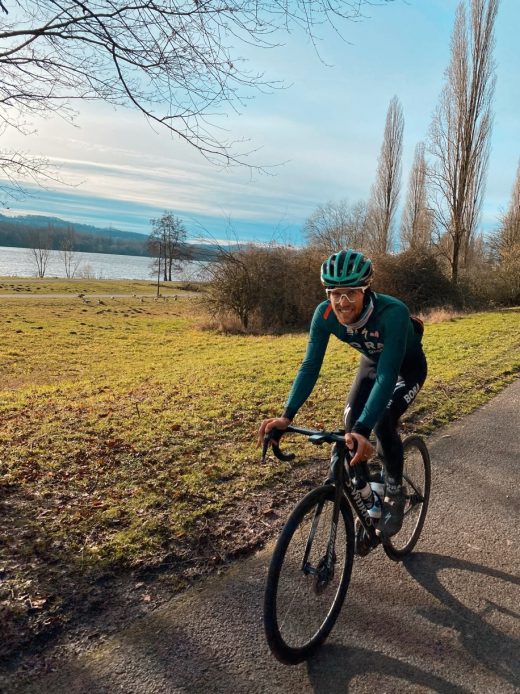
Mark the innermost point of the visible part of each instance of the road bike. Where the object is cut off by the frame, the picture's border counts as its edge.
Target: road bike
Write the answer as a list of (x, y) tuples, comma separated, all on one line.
[(311, 566)]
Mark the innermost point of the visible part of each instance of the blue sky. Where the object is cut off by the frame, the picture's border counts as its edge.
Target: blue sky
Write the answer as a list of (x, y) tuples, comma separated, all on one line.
[(323, 132)]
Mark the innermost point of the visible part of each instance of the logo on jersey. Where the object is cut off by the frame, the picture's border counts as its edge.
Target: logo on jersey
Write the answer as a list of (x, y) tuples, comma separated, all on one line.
[(368, 346)]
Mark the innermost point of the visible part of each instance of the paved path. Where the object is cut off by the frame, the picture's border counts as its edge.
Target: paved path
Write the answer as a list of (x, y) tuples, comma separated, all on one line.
[(92, 296), (446, 621)]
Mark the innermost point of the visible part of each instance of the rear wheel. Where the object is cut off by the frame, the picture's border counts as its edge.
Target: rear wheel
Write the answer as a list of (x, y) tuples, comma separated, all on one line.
[(304, 591), (416, 484)]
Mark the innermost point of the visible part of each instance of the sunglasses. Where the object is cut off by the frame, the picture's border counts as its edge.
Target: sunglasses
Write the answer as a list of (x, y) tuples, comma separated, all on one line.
[(349, 293)]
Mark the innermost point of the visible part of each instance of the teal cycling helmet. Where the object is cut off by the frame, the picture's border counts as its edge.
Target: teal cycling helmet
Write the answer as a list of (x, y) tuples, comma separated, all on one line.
[(347, 269)]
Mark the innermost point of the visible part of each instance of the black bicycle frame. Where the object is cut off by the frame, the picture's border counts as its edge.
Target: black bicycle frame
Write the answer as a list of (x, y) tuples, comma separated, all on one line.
[(340, 477), (340, 458)]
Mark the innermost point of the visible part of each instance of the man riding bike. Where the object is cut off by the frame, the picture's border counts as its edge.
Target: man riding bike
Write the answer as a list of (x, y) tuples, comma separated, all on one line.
[(391, 371)]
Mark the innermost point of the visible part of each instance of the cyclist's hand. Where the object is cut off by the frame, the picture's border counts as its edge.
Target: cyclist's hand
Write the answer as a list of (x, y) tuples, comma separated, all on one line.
[(364, 451), (269, 424)]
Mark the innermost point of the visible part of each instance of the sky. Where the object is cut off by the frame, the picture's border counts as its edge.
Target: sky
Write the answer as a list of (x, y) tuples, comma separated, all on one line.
[(318, 139)]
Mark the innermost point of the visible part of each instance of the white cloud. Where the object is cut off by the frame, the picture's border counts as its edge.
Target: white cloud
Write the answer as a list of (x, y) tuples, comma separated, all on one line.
[(327, 128)]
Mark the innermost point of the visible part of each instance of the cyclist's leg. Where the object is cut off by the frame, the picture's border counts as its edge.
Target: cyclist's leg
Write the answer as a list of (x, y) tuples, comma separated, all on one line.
[(356, 401), (389, 444)]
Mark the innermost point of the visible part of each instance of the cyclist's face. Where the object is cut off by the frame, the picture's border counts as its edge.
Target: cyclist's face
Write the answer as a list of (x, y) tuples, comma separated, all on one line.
[(347, 303)]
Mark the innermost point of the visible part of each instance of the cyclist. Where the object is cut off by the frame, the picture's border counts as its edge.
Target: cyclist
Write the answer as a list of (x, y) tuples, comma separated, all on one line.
[(391, 371)]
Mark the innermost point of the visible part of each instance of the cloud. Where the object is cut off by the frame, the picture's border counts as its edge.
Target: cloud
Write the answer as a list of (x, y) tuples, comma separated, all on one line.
[(189, 185), (321, 136)]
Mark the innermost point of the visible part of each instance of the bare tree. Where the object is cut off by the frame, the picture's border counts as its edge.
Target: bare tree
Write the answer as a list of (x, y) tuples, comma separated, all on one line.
[(417, 219), (178, 62), (71, 260), (16, 167), (235, 282), (506, 242), (270, 287), (167, 244), (385, 191), (505, 247), (461, 128), (155, 249), (39, 251), (336, 225)]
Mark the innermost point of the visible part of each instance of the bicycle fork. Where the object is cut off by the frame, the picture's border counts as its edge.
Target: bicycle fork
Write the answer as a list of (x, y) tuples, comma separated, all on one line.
[(324, 569)]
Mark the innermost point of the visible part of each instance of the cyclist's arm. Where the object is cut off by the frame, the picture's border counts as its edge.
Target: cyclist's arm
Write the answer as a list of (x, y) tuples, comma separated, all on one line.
[(394, 331), (310, 368)]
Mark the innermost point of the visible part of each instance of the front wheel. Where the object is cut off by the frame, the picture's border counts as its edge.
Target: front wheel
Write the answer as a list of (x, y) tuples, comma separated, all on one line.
[(416, 483), (308, 576)]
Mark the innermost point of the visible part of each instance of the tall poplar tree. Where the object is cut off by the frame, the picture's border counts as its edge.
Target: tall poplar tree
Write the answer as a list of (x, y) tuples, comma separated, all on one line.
[(461, 129), (385, 191), (417, 220)]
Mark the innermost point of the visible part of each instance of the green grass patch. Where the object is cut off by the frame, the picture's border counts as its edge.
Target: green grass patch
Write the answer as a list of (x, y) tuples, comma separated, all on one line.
[(122, 425), (54, 285)]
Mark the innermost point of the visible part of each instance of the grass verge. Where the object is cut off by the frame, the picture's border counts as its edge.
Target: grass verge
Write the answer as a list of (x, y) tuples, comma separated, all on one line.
[(33, 286)]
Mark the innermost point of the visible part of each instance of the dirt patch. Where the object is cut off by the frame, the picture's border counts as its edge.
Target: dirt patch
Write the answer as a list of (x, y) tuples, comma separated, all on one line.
[(81, 610)]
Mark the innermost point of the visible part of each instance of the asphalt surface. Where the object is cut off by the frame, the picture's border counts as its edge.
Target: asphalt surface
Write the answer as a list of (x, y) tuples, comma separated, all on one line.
[(93, 296), (447, 620)]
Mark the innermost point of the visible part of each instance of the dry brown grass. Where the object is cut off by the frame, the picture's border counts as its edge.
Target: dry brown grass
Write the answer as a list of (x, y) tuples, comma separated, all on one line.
[(440, 315), (228, 324), (225, 323)]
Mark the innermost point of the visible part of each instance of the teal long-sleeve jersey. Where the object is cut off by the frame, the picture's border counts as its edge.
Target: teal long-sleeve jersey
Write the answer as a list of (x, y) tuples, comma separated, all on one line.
[(388, 339)]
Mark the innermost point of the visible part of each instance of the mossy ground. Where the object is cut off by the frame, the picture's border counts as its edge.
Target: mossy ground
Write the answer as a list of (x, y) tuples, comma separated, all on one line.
[(126, 430)]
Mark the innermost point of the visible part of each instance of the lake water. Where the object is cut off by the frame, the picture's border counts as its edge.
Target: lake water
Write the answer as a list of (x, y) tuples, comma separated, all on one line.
[(19, 262)]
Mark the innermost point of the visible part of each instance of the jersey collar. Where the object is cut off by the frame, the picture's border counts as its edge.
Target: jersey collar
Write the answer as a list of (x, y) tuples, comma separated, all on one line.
[(367, 312)]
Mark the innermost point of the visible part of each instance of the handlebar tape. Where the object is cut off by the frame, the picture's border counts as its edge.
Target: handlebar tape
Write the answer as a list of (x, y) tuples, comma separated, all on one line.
[(273, 438)]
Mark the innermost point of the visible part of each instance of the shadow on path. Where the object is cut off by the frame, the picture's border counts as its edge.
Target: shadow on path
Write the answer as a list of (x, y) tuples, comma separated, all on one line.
[(334, 668), (496, 650)]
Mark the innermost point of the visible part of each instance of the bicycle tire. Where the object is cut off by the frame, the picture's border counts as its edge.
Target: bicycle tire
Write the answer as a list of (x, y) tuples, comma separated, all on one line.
[(417, 483), (293, 637)]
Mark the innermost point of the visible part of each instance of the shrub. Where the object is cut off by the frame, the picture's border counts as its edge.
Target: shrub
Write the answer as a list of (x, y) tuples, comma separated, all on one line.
[(275, 288), (269, 289), (417, 279)]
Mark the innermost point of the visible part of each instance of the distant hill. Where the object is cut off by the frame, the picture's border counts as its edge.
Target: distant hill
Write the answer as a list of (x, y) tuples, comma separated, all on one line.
[(19, 232)]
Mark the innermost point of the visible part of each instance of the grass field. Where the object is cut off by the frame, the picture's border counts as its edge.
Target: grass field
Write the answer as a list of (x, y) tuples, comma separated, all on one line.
[(125, 426), (55, 285)]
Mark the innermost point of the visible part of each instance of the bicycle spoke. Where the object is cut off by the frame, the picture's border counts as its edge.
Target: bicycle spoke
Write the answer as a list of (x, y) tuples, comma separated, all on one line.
[(302, 578), (413, 485)]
